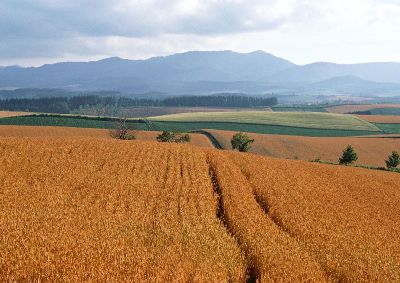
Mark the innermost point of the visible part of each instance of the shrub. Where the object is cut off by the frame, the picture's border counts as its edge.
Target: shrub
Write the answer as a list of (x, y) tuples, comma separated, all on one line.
[(349, 156), (241, 142), (122, 132), (393, 160), (167, 136), (183, 138)]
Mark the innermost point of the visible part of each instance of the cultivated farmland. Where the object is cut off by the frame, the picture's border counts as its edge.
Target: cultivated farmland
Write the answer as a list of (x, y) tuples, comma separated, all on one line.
[(183, 126), (4, 114), (140, 112), (106, 210), (384, 119), (68, 132), (114, 211), (345, 218), (342, 109), (311, 120), (371, 150), (389, 128)]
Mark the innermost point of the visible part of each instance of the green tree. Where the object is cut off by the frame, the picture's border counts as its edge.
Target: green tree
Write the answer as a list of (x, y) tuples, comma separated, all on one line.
[(241, 142), (393, 160), (349, 156)]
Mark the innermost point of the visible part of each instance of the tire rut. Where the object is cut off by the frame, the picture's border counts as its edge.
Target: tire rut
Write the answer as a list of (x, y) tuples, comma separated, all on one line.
[(272, 253), (252, 272)]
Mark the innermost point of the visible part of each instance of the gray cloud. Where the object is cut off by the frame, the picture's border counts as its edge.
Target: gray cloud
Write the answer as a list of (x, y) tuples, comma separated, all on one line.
[(136, 18), (45, 28), (90, 28)]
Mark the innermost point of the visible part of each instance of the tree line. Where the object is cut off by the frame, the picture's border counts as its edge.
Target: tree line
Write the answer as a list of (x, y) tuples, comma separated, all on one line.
[(221, 101), (65, 105)]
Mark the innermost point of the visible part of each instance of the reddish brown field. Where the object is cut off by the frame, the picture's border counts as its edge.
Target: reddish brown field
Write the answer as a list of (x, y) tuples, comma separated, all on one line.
[(343, 109), (4, 114), (63, 132), (89, 209), (381, 119), (371, 150)]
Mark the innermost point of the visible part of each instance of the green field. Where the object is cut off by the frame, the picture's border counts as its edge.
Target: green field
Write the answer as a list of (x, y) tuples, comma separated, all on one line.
[(382, 111), (60, 121), (389, 128), (110, 123), (313, 120)]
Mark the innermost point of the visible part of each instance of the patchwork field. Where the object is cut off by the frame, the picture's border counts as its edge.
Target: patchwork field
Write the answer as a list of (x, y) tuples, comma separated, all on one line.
[(184, 126), (291, 119), (104, 210), (67, 132), (140, 112), (343, 109), (371, 150)]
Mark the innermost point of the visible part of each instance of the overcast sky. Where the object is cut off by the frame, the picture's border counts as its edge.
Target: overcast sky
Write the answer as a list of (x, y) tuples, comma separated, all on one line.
[(33, 32)]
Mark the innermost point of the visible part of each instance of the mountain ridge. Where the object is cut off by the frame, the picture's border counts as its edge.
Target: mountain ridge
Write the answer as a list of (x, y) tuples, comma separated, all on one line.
[(196, 72)]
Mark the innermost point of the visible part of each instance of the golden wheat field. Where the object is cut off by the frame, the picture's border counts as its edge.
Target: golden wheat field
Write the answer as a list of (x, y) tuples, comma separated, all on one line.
[(343, 109), (345, 219), (105, 210), (63, 132), (371, 150), (94, 209)]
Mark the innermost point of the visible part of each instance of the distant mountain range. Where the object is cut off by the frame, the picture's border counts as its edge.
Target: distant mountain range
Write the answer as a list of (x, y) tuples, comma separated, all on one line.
[(199, 72)]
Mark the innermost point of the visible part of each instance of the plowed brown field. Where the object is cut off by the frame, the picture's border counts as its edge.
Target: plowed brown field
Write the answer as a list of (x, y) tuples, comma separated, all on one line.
[(371, 150), (385, 119), (62, 132), (343, 109), (80, 209)]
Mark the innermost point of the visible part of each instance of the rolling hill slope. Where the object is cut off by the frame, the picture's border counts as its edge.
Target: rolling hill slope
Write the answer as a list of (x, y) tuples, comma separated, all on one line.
[(69, 132), (372, 151), (291, 119)]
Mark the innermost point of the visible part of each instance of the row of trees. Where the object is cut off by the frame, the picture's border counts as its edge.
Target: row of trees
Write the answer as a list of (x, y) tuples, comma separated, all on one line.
[(64, 105), (240, 101)]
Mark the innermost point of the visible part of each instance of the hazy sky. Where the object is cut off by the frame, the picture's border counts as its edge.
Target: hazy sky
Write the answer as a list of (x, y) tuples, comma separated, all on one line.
[(33, 32)]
